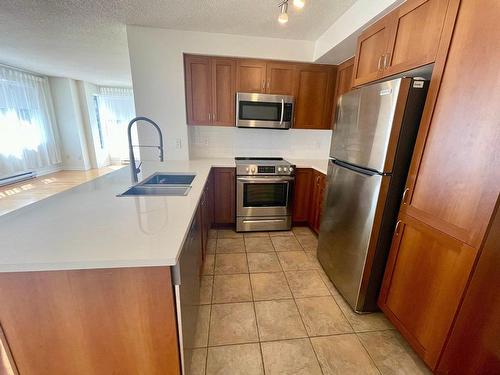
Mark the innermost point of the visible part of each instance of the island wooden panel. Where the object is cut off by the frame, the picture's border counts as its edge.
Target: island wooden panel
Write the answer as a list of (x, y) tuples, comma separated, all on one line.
[(224, 196), (302, 195), (107, 321)]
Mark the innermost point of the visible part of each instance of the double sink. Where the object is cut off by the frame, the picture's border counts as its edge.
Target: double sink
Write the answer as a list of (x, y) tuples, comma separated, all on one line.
[(161, 184)]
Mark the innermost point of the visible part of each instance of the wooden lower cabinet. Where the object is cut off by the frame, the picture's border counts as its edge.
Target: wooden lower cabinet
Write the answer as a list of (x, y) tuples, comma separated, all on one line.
[(98, 321), (224, 196), (425, 277), (309, 192), (207, 212)]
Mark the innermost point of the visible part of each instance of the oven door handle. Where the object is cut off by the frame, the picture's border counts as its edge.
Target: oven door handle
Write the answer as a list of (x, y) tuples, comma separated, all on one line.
[(260, 180)]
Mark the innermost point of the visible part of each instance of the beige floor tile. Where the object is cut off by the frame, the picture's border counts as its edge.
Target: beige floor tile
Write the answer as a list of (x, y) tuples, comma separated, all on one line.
[(258, 244), (208, 265), (228, 233), (392, 354), (206, 290), (300, 231), (256, 234), (290, 357), (308, 241), (281, 233), (212, 233), (343, 354), (235, 360), (279, 320), (198, 361), (230, 264), (306, 284), (269, 285), (230, 245), (295, 260), (211, 245), (233, 323), (328, 282), (232, 288), (313, 260), (201, 333), (322, 316), (263, 262), (363, 322), (286, 244)]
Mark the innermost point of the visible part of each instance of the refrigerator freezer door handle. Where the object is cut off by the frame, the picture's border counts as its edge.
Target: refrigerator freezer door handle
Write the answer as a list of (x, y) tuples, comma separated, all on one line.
[(354, 168)]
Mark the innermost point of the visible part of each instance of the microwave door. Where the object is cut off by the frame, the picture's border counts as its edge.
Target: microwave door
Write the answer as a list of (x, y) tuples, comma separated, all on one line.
[(263, 111)]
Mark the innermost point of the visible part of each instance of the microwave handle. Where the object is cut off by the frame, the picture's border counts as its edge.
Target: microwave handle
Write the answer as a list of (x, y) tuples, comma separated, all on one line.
[(282, 109)]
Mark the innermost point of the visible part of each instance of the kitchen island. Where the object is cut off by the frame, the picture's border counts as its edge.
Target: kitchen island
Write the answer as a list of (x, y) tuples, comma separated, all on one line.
[(89, 282)]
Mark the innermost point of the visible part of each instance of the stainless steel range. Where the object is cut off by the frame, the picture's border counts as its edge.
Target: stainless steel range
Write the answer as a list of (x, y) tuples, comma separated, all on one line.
[(264, 188)]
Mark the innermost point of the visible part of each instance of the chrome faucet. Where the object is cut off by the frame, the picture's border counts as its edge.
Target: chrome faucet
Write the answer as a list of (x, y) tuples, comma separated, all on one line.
[(133, 169)]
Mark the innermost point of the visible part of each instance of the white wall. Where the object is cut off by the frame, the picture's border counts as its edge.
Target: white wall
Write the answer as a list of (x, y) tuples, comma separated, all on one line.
[(69, 121), (158, 79)]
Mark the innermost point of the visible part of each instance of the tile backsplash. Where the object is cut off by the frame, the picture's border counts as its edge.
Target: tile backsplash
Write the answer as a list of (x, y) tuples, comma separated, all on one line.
[(221, 142)]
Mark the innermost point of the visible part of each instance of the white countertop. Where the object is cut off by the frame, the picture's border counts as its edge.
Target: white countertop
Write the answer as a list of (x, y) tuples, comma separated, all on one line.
[(88, 226)]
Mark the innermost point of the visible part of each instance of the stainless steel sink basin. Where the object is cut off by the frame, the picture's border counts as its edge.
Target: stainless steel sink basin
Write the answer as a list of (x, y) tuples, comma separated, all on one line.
[(172, 190), (158, 184)]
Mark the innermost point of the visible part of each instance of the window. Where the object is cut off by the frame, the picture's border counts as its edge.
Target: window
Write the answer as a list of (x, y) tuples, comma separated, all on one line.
[(28, 135), (115, 109)]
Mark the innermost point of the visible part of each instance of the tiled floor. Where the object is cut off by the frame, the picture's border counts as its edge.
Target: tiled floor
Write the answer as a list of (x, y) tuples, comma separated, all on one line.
[(268, 308)]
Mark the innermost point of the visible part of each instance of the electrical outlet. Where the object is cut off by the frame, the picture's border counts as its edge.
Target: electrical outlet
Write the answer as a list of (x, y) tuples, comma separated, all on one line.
[(178, 143)]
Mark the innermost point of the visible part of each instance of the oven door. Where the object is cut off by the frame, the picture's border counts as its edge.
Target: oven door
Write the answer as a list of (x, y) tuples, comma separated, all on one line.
[(263, 195), (264, 111)]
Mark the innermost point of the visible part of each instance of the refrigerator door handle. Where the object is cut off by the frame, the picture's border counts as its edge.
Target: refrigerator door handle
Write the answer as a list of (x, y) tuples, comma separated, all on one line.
[(354, 168)]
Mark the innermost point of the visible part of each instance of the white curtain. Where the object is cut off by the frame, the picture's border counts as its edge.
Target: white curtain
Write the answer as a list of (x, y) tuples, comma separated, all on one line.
[(116, 109), (28, 134)]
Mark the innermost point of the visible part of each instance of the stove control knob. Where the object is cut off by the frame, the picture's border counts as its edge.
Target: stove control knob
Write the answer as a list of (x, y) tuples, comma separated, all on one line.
[(247, 169), (253, 170), (290, 169), (279, 169), (285, 169)]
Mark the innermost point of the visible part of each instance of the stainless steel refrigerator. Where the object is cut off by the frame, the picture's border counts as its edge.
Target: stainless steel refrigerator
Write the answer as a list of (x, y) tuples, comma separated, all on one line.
[(370, 153)]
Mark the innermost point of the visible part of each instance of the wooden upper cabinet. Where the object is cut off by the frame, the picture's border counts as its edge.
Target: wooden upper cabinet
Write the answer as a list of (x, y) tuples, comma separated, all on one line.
[(224, 91), (372, 47), (280, 78), (198, 80), (425, 277), (405, 39), (344, 80), (454, 177), (251, 76), (418, 25), (314, 93)]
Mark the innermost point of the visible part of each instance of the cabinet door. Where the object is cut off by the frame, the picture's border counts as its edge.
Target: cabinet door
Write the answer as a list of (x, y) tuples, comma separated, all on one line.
[(302, 195), (344, 82), (372, 46), (198, 83), (426, 275), (280, 78), (224, 195), (454, 177), (314, 96), (318, 190), (223, 91), (251, 76), (417, 26)]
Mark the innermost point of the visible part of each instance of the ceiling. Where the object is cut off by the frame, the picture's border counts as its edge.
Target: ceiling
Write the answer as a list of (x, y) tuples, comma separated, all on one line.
[(86, 39)]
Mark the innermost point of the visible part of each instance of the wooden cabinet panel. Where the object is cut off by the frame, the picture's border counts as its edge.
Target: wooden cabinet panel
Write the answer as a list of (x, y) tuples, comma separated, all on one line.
[(7, 365), (474, 345), (302, 195), (314, 97), (280, 78), (372, 46), (453, 182), (251, 76), (198, 80), (418, 25), (224, 195), (318, 191), (344, 80), (105, 321), (224, 91), (426, 274)]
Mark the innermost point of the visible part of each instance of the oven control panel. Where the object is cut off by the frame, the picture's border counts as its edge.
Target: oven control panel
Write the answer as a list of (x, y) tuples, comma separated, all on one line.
[(265, 170)]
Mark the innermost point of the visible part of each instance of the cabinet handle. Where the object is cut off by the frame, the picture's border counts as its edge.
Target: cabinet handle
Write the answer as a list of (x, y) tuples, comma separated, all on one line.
[(379, 62), (385, 60), (396, 230), (403, 199), (268, 84), (209, 117), (263, 84)]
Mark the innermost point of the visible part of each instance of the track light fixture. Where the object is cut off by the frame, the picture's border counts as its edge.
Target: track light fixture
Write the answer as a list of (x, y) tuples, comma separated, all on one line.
[(283, 5)]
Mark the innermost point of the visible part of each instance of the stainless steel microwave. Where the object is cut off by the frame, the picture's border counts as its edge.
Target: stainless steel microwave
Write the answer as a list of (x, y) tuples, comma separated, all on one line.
[(264, 111)]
